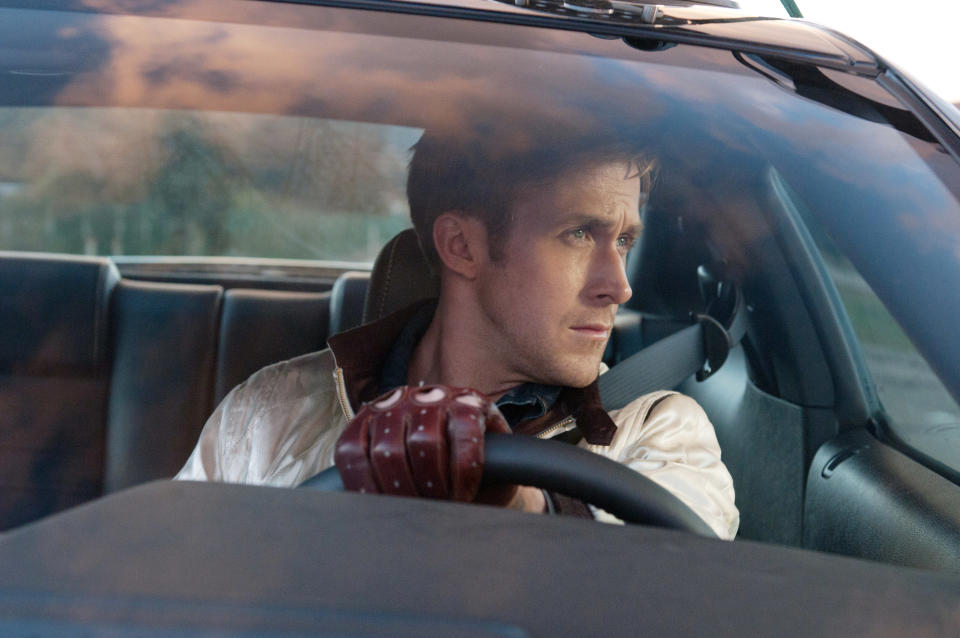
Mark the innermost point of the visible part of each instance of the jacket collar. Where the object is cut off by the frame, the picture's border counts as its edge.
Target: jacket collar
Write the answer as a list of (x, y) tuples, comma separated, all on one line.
[(583, 404), (360, 354)]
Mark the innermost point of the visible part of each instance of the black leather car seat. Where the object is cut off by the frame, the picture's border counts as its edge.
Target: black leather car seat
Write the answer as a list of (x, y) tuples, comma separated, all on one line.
[(106, 382), (347, 298), (179, 349), (54, 378), (401, 275), (164, 341), (261, 327)]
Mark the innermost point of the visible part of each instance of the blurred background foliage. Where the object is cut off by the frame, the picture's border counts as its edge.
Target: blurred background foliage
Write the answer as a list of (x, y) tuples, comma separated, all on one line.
[(142, 182)]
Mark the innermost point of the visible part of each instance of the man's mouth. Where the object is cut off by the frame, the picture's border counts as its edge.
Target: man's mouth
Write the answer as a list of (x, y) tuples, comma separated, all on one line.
[(592, 330)]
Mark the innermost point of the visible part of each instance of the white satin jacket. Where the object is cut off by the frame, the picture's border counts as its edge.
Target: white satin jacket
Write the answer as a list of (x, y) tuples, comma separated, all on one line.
[(281, 425)]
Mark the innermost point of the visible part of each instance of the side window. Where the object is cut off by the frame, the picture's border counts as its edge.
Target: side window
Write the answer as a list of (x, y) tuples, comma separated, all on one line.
[(918, 407), (118, 181)]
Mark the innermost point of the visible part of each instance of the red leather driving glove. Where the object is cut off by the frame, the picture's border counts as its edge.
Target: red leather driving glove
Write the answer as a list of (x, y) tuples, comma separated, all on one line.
[(419, 441)]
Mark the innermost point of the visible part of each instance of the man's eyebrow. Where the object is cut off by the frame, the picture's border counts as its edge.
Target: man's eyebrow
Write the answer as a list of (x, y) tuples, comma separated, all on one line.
[(634, 229), (586, 219)]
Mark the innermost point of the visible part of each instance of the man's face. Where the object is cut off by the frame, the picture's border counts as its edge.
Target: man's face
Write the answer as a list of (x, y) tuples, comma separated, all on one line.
[(550, 301)]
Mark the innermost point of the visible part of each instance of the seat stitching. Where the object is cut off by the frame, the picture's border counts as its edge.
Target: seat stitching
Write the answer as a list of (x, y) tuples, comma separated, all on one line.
[(386, 285), (100, 308)]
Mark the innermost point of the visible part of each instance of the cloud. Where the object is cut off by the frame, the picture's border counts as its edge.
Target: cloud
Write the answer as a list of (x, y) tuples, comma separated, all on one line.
[(698, 108)]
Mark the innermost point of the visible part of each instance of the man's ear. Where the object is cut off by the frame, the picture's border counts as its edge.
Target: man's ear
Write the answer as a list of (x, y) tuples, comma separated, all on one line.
[(461, 243)]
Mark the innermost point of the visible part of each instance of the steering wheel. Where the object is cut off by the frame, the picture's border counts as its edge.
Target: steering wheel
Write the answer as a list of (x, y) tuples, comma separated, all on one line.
[(567, 469)]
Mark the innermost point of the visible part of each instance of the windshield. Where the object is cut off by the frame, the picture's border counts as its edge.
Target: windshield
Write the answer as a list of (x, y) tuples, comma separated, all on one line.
[(274, 130), (114, 122)]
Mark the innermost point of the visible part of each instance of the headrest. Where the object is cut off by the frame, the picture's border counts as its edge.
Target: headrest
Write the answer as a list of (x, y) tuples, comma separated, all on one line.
[(401, 275), (347, 298)]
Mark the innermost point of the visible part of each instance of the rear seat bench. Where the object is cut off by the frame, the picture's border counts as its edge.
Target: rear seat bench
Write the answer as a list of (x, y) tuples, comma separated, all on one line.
[(107, 382)]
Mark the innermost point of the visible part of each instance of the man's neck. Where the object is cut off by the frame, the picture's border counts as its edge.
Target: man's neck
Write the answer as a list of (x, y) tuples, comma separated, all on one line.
[(450, 353)]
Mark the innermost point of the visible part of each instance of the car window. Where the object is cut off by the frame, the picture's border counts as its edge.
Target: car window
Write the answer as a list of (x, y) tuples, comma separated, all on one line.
[(916, 405), (286, 132), (110, 181)]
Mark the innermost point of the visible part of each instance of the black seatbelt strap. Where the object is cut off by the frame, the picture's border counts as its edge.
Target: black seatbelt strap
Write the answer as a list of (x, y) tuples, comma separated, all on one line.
[(697, 349)]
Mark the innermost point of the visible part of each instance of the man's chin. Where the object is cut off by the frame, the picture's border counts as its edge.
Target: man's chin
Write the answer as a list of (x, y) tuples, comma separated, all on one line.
[(578, 378)]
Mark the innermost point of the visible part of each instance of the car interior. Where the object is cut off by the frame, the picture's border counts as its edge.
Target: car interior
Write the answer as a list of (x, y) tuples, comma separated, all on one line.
[(113, 374), (109, 367)]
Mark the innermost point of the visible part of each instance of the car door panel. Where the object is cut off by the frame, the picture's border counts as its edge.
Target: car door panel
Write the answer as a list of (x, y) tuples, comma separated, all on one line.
[(865, 498)]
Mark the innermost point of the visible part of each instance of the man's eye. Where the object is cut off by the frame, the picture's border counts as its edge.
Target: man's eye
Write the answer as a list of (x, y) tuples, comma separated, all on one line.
[(625, 241), (578, 233)]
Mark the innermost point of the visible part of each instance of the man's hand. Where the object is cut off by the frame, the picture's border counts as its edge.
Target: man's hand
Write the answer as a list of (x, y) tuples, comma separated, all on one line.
[(423, 441), (529, 499)]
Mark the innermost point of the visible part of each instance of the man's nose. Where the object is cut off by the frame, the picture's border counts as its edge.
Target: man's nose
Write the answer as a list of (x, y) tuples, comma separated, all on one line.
[(610, 283)]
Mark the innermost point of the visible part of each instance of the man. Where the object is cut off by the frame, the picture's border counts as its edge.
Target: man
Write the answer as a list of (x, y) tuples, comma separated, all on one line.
[(530, 248)]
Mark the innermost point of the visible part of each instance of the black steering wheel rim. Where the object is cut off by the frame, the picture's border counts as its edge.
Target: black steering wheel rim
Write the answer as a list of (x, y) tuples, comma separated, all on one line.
[(567, 469)]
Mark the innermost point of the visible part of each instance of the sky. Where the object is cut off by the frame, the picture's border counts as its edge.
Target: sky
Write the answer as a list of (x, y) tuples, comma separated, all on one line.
[(922, 37)]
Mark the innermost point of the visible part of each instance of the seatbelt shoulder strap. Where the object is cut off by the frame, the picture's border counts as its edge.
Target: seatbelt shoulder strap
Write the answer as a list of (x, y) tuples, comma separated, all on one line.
[(699, 349)]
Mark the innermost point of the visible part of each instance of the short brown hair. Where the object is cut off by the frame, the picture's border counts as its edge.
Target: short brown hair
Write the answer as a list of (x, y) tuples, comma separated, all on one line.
[(481, 178)]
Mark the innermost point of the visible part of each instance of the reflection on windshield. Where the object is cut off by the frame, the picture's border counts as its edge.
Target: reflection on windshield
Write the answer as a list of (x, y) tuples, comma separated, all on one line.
[(711, 121)]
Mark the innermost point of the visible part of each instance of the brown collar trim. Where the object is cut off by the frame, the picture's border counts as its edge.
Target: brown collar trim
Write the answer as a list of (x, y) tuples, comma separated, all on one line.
[(360, 352)]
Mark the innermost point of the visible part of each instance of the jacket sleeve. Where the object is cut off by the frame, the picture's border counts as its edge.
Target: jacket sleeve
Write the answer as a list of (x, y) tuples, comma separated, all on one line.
[(206, 461), (668, 438), (278, 427)]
